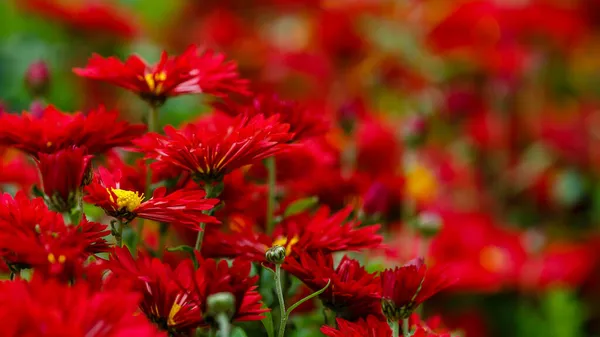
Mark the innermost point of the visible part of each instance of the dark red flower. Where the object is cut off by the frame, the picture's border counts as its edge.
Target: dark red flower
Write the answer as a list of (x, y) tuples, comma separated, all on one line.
[(211, 149), (98, 131), (164, 297), (219, 277), (405, 288), (370, 327), (91, 17), (322, 231), (182, 207), (305, 122), (63, 175), (353, 292), (189, 73), (48, 308), (31, 236)]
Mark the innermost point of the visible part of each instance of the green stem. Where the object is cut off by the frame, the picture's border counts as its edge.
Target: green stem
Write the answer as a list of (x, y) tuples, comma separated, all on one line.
[(162, 239), (210, 191), (395, 326), (282, 313), (224, 325), (152, 127), (271, 181), (119, 235), (405, 328)]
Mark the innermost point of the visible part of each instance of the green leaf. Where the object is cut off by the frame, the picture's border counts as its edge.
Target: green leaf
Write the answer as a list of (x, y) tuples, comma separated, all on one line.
[(238, 332), (300, 206), (268, 324), (564, 313)]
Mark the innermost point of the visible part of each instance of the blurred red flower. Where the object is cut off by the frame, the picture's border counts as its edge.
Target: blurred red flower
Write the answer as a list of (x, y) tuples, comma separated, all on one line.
[(353, 292), (98, 131), (183, 207), (189, 73), (48, 308)]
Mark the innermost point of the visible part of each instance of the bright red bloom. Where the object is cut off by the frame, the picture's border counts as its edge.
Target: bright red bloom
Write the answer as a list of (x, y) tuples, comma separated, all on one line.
[(92, 17), (371, 327), (322, 231), (98, 131), (405, 288), (183, 207), (31, 236), (48, 308), (304, 122), (353, 292), (164, 299), (16, 170), (189, 73), (63, 174), (211, 149), (215, 277)]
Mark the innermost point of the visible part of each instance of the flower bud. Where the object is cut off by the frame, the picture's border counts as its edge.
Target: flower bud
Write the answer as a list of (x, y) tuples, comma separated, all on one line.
[(415, 130), (429, 224), (37, 79), (275, 254), (36, 108), (220, 303), (389, 310)]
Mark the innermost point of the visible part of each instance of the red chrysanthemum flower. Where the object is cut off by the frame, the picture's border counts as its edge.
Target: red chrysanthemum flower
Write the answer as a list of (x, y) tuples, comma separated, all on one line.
[(90, 17), (214, 277), (164, 296), (353, 292), (31, 236), (189, 73), (305, 122), (301, 233), (183, 207), (213, 148), (48, 308), (370, 327), (405, 288), (98, 131), (63, 175)]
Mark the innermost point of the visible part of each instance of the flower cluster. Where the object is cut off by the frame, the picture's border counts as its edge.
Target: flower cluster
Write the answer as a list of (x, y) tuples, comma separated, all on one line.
[(299, 168)]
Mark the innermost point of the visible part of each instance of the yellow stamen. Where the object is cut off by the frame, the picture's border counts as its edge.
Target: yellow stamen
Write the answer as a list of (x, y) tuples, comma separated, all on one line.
[(150, 81), (51, 258), (493, 259), (126, 199), (161, 76), (49, 144), (62, 259), (421, 183), (283, 241), (174, 310)]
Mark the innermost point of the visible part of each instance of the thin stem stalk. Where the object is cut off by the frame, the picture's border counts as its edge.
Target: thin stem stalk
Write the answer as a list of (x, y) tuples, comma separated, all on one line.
[(282, 312), (405, 327)]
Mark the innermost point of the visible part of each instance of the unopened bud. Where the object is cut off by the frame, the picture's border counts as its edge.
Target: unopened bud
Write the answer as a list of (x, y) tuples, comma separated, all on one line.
[(429, 224), (415, 130), (36, 109), (220, 303), (37, 79), (275, 254)]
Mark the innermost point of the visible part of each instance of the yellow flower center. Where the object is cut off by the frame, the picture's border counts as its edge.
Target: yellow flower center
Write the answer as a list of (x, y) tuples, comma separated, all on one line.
[(155, 81), (494, 259), (283, 241), (129, 200), (52, 258), (421, 183), (174, 310)]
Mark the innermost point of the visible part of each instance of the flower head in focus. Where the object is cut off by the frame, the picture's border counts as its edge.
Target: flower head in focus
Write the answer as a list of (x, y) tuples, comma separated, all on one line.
[(192, 72), (322, 231), (352, 294), (405, 288), (369, 327), (98, 131), (211, 149), (48, 308), (31, 236), (182, 207), (164, 299)]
